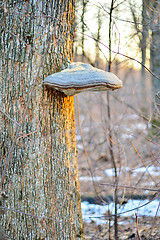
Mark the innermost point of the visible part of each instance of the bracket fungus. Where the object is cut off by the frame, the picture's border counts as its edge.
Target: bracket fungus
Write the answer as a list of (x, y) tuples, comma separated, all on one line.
[(81, 77)]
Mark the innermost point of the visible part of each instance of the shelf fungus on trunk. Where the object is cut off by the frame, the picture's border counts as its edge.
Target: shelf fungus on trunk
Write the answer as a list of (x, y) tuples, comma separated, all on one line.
[(81, 77)]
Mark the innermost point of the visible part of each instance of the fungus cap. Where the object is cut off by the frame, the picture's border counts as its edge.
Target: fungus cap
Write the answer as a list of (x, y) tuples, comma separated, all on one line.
[(81, 77)]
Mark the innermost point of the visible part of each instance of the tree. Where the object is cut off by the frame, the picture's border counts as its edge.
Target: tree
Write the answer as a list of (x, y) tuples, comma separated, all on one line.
[(155, 46), (40, 194), (142, 36), (143, 46), (97, 52), (150, 21)]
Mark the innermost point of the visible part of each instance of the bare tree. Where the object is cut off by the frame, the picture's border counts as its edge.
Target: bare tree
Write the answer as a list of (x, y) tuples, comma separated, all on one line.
[(155, 46), (111, 149), (40, 196), (150, 21), (84, 5), (143, 46), (141, 27), (97, 50)]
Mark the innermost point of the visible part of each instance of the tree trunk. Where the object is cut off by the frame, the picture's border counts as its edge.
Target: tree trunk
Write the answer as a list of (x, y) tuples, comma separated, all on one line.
[(155, 49), (145, 23), (97, 58), (84, 5), (40, 188)]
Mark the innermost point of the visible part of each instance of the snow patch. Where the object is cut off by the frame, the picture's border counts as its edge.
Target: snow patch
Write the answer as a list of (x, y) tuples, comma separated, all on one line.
[(154, 171), (96, 213), (86, 178), (110, 172)]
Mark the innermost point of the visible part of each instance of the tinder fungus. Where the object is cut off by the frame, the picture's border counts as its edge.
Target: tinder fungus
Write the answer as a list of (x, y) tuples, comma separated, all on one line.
[(82, 77)]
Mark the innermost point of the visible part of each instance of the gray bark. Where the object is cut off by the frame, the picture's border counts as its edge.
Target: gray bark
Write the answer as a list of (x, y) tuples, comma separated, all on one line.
[(40, 190)]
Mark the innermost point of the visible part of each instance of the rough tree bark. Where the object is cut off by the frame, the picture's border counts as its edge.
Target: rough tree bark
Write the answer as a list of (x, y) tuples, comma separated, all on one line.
[(40, 189)]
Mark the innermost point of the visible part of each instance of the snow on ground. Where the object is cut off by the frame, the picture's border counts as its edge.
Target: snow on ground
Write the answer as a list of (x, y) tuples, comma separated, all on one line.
[(132, 126), (110, 172), (86, 178), (155, 171), (95, 212)]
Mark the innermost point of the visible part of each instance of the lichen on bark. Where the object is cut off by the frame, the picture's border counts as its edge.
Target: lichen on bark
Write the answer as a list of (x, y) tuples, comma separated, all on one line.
[(41, 185)]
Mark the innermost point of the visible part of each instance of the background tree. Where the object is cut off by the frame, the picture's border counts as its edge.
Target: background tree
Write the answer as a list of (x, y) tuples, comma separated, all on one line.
[(150, 22), (141, 26), (40, 187), (98, 36), (154, 8), (143, 46), (84, 5)]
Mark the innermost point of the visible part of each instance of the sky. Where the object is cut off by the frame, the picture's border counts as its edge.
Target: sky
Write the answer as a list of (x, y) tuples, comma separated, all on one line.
[(122, 29)]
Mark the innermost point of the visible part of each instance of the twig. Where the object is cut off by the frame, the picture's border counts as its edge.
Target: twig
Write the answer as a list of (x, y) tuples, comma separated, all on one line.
[(154, 220), (131, 210), (5, 114), (137, 231), (27, 214), (58, 215), (123, 186), (135, 110), (158, 94), (142, 162), (124, 55), (90, 168), (111, 150)]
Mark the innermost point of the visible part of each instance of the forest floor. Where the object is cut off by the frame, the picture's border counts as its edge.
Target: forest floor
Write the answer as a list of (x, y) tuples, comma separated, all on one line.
[(136, 149), (148, 228)]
